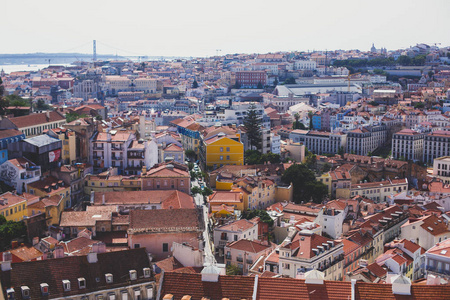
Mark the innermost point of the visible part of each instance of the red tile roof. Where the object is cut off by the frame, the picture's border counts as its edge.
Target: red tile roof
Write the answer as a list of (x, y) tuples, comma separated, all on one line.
[(164, 220), (231, 287), (248, 246), (36, 119), (241, 287)]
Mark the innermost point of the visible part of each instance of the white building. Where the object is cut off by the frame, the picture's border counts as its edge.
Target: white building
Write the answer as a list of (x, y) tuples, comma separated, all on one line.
[(19, 172), (300, 253), (436, 144), (110, 149), (319, 142), (437, 260), (379, 191), (408, 144), (141, 153), (363, 140), (441, 168), (305, 65), (426, 232), (238, 230), (275, 143)]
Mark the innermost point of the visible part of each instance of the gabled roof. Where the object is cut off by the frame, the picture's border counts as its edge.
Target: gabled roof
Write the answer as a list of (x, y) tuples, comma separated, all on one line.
[(248, 246), (36, 119)]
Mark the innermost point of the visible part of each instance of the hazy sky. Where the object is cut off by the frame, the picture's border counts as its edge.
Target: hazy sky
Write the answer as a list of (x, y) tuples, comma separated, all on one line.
[(200, 27)]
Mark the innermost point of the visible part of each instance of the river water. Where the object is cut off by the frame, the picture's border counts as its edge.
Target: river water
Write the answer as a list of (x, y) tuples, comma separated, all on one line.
[(16, 68)]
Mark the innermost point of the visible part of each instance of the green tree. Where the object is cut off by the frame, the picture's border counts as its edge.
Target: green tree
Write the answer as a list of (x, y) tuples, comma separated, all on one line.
[(3, 102), (310, 116), (252, 157), (290, 80), (237, 85), (252, 125), (190, 154), (326, 167), (193, 175), (262, 214), (233, 270), (40, 105), (207, 191), (306, 188), (297, 124), (275, 82), (15, 100), (196, 190), (74, 116), (271, 157), (419, 105), (259, 86), (190, 166), (10, 230), (195, 84)]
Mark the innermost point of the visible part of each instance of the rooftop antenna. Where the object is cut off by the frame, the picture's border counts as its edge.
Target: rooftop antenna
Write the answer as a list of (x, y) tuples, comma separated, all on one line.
[(94, 58), (217, 52)]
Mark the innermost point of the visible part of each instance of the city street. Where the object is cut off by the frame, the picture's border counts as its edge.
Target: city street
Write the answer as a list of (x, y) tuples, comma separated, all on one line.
[(209, 257)]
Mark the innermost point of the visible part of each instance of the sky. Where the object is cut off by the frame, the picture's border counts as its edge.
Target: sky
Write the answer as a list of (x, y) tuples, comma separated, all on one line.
[(208, 27)]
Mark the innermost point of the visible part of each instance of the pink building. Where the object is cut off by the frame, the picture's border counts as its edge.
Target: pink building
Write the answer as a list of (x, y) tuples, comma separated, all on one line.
[(157, 230)]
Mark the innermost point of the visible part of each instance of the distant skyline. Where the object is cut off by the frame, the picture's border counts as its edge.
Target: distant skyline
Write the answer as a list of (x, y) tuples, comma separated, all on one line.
[(200, 28)]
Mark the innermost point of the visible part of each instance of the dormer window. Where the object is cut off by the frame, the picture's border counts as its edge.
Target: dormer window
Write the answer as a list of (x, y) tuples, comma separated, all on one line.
[(25, 292), (109, 278), (133, 275), (66, 285), (81, 283), (10, 293), (147, 272), (44, 289)]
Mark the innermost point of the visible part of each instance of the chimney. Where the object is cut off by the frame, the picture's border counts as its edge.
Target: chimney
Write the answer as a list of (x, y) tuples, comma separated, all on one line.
[(47, 114), (35, 240), (92, 197), (210, 273), (353, 289), (59, 252), (314, 277), (144, 169), (103, 199), (92, 257), (401, 285), (7, 258)]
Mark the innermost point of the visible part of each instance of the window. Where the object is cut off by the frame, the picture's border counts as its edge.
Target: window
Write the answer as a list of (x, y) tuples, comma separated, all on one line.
[(109, 278), (66, 285), (137, 246), (221, 149), (124, 295), (165, 247), (221, 157), (228, 149), (228, 157), (81, 283)]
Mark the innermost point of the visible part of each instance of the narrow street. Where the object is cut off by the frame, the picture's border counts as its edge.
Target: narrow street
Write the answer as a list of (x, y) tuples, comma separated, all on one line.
[(209, 256)]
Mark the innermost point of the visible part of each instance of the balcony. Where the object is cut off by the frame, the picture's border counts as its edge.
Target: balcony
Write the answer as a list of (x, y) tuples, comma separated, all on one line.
[(117, 157), (98, 148), (228, 257), (239, 259), (249, 261)]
